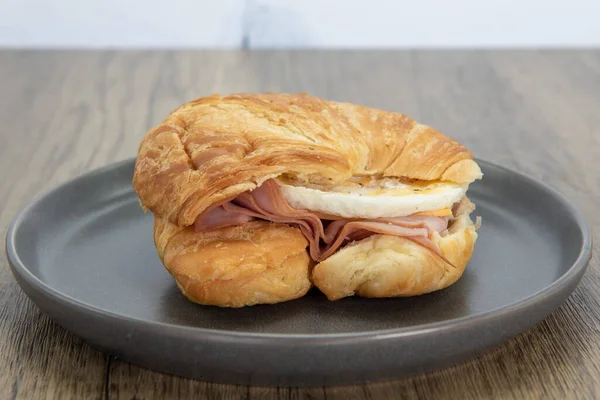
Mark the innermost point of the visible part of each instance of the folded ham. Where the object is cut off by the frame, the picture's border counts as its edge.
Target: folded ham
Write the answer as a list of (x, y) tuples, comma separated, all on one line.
[(325, 237)]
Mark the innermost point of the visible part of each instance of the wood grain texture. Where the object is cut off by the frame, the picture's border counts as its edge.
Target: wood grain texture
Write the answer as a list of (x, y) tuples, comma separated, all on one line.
[(64, 113)]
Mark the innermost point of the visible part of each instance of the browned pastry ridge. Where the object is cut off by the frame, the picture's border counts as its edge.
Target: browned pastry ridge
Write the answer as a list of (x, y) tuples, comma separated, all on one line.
[(214, 148)]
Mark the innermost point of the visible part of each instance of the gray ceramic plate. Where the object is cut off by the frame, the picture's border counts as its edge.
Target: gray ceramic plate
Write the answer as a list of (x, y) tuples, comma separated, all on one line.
[(84, 254)]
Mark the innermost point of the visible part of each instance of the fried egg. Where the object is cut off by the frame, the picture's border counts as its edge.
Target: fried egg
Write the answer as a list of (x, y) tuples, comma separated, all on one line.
[(367, 197)]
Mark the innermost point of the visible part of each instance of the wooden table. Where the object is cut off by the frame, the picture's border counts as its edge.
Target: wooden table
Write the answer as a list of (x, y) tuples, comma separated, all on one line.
[(64, 113)]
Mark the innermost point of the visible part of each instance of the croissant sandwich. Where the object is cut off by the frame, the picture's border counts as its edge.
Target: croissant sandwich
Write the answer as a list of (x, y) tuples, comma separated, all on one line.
[(258, 197)]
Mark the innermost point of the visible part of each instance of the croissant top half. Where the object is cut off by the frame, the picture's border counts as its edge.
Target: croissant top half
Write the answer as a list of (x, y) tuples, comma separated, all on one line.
[(214, 148)]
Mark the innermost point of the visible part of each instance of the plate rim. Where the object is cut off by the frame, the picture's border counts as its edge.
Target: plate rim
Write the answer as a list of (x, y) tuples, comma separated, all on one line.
[(574, 272)]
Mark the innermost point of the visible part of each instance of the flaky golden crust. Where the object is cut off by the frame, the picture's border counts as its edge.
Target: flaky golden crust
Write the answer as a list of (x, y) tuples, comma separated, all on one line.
[(217, 147), (257, 263), (390, 266)]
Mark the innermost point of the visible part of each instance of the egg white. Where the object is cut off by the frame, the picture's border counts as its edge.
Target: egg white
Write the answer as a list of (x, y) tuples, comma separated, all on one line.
[(377, 199)]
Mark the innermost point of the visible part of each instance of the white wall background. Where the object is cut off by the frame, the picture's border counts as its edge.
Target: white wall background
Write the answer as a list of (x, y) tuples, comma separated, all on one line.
[(298, 23)]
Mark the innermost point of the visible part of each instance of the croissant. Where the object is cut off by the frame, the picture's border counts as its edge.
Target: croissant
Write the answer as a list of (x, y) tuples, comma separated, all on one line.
[(258, 197)]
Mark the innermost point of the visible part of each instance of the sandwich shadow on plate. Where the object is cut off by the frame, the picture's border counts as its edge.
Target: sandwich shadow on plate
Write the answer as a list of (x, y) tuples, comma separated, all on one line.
[(314, 314)]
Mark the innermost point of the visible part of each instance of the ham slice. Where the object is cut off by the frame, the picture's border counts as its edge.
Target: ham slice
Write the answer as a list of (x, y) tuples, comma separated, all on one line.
[(411, 223), (220, 217), (268, 203), (413, 228), (348, 228), (215, 217)]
